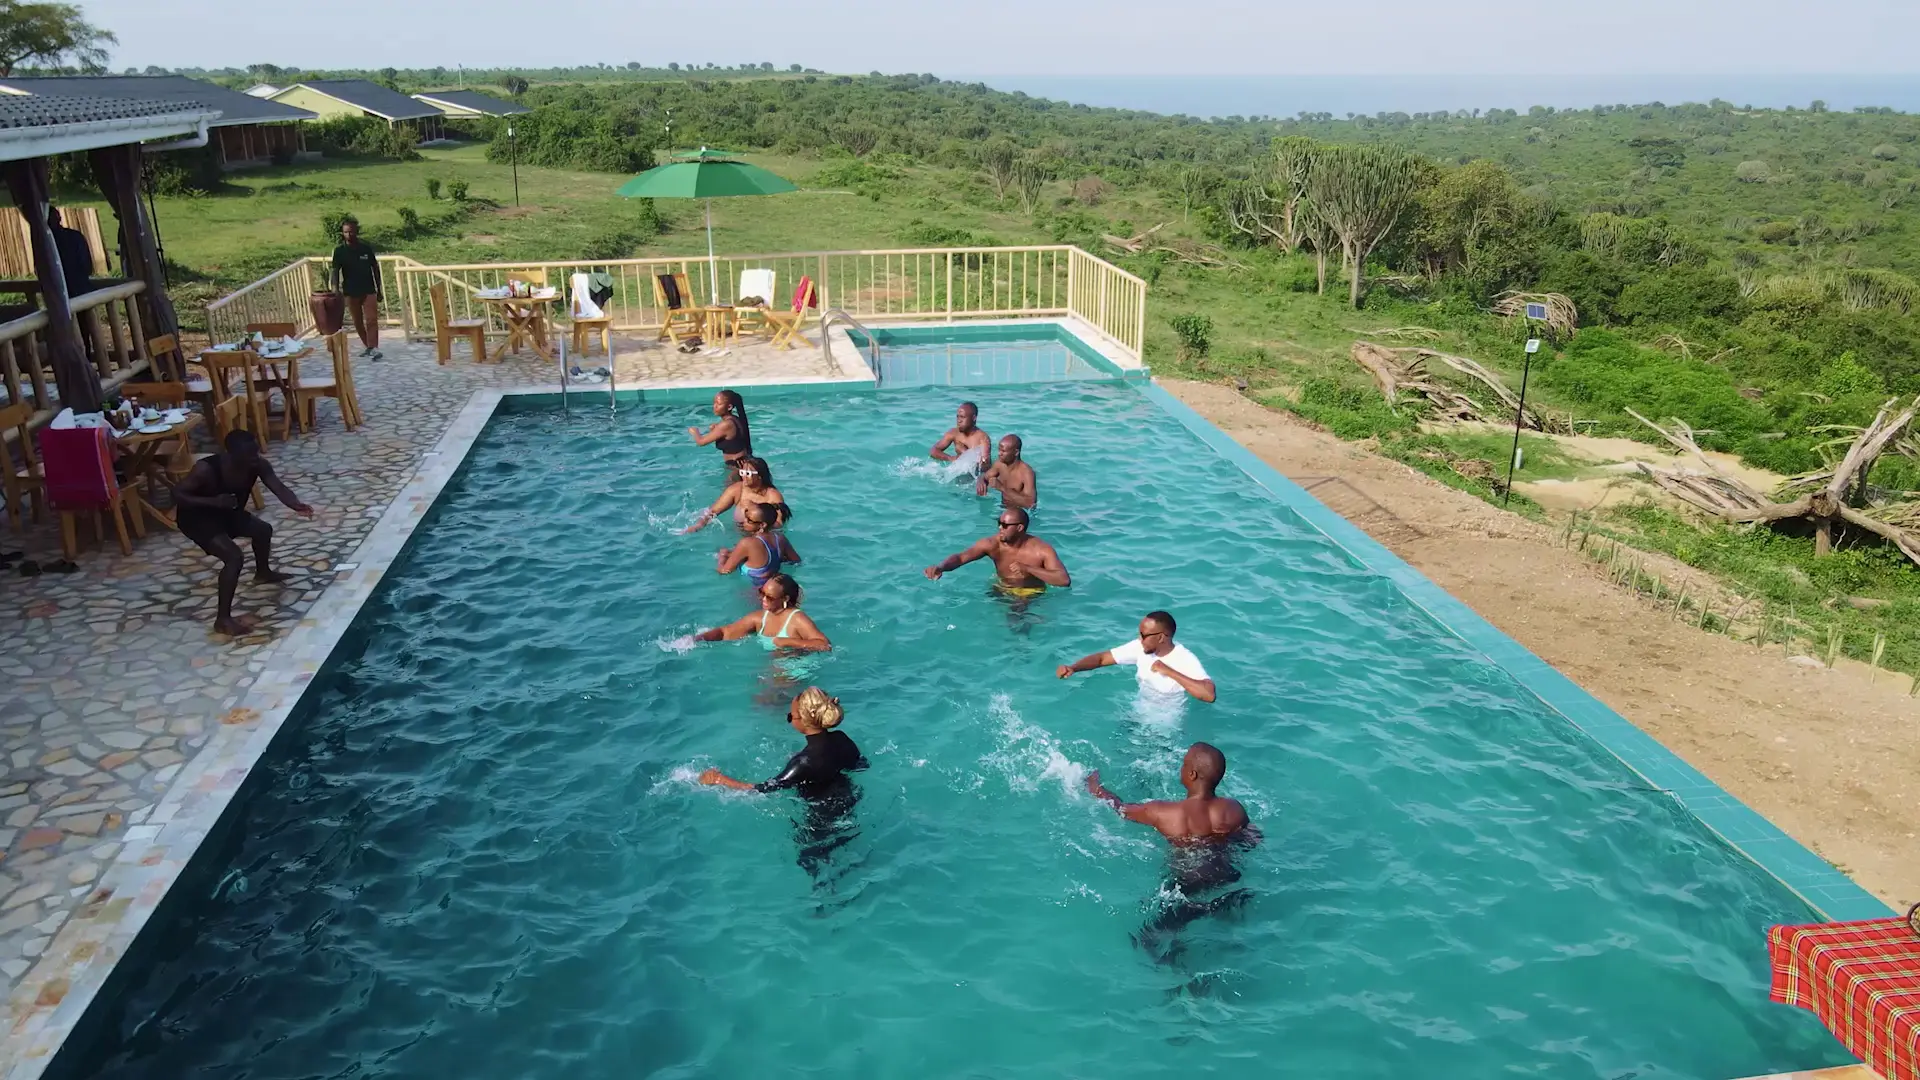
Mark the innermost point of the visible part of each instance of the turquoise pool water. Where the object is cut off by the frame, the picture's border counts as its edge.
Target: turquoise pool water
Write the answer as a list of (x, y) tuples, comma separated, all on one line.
[(982, 356), (481, 854)]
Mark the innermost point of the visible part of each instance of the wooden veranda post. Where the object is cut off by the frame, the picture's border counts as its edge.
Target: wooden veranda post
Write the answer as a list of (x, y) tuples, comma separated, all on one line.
[(117, 170), (78, 382)]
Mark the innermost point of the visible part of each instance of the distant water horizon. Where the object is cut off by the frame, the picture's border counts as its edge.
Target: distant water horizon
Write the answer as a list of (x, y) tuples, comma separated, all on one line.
[(1290, 95)]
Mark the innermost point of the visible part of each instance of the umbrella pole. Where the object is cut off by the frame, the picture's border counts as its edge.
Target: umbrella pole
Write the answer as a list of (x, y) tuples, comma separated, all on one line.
[(713, 267)]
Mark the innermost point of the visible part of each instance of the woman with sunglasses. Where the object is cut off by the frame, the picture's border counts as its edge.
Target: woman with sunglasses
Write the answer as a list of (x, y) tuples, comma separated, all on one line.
[(779, 624), (761, 552), (817, 773), (730, 434), (753, 486)]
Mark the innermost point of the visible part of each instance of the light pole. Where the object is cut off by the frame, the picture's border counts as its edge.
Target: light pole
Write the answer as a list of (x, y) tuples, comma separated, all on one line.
[(513, 151), (1535, 313)]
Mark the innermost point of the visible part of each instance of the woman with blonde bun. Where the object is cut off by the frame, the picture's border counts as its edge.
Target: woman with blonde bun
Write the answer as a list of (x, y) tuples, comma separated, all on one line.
[(819, 770)]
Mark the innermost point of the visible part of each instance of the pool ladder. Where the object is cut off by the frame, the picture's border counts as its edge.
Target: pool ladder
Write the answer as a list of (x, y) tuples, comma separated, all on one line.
[(826, 345)]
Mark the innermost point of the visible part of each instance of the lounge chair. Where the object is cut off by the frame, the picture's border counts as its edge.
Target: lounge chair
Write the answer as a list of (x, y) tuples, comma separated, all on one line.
[(681, 319), (749, 318), (786, 324)]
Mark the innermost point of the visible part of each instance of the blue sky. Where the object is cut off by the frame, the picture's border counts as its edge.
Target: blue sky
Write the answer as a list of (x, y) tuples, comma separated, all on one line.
[(1050, 37)]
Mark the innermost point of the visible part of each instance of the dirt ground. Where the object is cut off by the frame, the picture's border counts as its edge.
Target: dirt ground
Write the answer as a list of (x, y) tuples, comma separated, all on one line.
[(1831, 758)]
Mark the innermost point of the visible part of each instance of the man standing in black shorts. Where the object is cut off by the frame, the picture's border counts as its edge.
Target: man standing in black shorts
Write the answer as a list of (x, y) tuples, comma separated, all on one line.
[(356, 272), (209, 503)]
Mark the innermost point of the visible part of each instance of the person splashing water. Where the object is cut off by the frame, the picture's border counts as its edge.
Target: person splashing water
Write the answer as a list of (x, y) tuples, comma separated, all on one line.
[(971, 446), (762, 551), (817, 773), (1024, 563), (779, 624), (730, 434), (753, 485), (1204, 829)]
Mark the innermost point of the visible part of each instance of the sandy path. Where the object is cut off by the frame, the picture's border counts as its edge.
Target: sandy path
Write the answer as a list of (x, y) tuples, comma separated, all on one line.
[(1826, 756)]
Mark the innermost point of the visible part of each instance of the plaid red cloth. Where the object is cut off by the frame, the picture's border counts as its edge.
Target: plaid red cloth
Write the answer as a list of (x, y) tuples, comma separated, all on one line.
[(1862, 979)]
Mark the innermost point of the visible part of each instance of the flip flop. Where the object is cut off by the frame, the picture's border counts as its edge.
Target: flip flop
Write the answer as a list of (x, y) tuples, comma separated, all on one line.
[(29, 569), (62, 567)]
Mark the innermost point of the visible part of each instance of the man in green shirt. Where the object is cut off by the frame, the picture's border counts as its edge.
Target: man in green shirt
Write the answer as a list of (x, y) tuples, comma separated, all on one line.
[(356, 272)]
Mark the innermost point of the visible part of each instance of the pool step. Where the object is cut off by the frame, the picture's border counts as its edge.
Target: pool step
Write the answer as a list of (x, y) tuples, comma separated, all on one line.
[(1841, 1072)]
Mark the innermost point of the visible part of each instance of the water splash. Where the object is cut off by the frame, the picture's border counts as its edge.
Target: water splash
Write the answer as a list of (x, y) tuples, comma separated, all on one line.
[(943, 472), (682, 645), (1028, 754)]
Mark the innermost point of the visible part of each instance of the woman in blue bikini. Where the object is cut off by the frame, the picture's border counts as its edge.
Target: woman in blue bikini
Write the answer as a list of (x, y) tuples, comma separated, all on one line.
[(779, 624), (761, 551)]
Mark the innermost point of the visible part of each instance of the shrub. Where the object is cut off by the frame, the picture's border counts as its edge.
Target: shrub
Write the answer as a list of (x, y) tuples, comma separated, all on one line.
[(433, 187), (650, 222), (1090, 190), (1606, 370), (1349, 411), (1775, 232), (332, 222), (1847, 376), (409, 221), (457, 190), (921, 234), (1195, 332), (360, 136), (611, 242), (1678, 296), (1752, 172), (1887, 152)]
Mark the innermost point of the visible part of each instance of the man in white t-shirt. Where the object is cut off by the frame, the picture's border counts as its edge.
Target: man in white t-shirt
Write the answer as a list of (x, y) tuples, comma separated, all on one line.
[(1157, 661)]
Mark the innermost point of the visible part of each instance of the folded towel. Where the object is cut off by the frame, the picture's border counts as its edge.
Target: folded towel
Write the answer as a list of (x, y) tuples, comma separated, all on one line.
[(671, 290)]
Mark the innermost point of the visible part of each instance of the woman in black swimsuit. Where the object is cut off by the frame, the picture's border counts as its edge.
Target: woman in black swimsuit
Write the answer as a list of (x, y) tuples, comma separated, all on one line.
[(818, 774), (730, 433)]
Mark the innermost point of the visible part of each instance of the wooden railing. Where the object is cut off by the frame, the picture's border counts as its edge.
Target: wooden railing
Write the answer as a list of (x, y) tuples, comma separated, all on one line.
[(283, 295), (1112, 300), (918, 283), (110, 331)]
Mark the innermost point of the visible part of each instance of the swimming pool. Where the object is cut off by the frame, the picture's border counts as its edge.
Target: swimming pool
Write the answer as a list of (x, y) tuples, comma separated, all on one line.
[(990, 355), (480, 852)]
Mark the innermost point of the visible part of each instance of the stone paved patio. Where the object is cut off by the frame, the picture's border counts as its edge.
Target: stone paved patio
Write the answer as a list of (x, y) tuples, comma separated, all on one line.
[(113, 678)]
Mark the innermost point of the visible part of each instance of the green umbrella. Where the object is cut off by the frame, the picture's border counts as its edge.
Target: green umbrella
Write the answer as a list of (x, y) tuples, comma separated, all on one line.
[(705, 174)]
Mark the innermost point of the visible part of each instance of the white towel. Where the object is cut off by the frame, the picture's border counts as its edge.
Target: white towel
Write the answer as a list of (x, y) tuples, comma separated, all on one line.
[(583, 305), (757, 283)]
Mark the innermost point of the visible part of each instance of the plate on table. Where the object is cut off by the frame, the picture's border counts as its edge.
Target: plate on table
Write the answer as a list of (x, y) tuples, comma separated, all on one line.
[(153, 428)]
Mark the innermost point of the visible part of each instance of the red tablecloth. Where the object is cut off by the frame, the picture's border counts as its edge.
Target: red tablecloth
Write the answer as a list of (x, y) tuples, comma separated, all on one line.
[(1862, 979)]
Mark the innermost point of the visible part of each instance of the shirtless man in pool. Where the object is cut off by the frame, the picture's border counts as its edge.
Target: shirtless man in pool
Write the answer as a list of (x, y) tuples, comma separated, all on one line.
[(1012, 477), (1023, 562), (964, 437)]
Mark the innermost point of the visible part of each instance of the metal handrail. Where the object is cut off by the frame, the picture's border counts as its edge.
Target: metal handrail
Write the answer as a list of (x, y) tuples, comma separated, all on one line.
[(826, 344)]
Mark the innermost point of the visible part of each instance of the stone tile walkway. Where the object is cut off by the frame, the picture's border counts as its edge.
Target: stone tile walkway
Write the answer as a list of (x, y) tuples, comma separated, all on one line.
[(112, 677)]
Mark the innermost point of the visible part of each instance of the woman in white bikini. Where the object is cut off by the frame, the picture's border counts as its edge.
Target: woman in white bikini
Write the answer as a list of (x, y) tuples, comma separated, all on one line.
[(779, 624), (755, 485)]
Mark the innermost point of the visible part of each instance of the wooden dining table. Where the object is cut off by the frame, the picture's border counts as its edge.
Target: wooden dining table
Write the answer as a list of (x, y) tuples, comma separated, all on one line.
[(526, 321), (269, 375), (141, 455)]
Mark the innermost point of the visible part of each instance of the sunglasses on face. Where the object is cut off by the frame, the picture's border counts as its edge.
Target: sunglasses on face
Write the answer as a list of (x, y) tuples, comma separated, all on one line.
[(1009, 524)]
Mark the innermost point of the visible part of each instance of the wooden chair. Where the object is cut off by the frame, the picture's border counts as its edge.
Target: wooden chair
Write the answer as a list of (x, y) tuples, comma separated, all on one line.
[(338, 385), (787, 324), (273, 329), (22, 481), (80, 480), (156, 394), (235, 372), (231, 415), (747, 317), (168, 361), (682, 321), (585, 326), (446, 330)]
